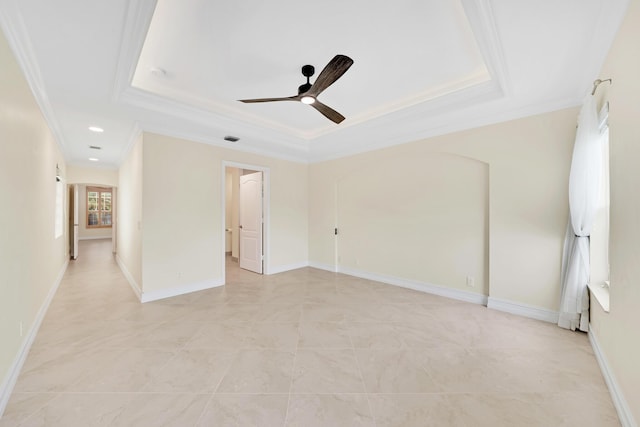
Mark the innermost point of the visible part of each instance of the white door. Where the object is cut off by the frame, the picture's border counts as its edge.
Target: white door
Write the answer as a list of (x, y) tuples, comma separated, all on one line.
[(251, 222), (76, 223)]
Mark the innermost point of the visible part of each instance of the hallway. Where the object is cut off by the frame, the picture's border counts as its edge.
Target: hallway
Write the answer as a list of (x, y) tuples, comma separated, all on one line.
[(301, 348)]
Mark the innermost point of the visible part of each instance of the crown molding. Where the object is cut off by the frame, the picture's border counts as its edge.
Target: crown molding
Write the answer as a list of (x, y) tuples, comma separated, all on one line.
[(15, 30), (135, 133), (134, 31), (247, 145), (467, 120), (142, 99), (481, 19), (139, 15)]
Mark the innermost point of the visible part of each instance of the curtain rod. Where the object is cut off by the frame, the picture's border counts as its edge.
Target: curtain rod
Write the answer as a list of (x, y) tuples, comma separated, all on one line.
[(597, 82)]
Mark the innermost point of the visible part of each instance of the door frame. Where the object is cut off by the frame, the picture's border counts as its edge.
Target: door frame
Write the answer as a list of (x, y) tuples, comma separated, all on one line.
[(73, 220), (266, 203)]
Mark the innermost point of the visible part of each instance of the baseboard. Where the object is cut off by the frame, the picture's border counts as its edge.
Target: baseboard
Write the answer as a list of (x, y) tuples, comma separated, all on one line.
[(289, 267), (326, 267), (179, 290), (95, 238), (132, 282), (523, 310), (419, 286), (624, 412), (14, 371)]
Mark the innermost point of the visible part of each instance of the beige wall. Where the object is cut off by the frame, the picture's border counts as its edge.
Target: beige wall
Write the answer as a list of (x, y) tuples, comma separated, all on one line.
[(183, 232), (617, 331), (422, 218), (527, 161), (129, 229), (99, 176), (31, 259), (234, 176)]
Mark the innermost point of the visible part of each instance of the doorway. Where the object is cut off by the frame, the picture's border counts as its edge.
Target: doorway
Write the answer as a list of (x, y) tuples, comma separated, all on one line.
[(245, 217), (92, 215)]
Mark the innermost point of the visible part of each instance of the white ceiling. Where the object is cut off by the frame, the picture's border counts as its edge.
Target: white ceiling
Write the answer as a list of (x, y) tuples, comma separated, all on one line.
[(421, 68)]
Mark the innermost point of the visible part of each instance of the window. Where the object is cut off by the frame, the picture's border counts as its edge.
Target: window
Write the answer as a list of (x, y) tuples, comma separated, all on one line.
[(98, 207), (599, 238)]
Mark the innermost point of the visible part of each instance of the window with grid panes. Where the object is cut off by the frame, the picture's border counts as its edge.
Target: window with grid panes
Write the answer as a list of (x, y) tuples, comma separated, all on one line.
[(98, 207)]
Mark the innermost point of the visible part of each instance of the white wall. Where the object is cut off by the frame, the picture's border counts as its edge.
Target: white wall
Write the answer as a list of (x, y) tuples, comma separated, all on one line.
[(129, 229), (527, 161), (617, 331), (31, 259), (183, 238)]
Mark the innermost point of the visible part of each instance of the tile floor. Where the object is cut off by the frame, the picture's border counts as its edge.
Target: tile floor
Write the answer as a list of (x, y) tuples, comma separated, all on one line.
[(302, 348)]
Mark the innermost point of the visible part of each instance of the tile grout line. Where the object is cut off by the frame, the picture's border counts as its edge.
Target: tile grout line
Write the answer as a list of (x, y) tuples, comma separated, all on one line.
[(293, 368), (364, 385), (215, 389)]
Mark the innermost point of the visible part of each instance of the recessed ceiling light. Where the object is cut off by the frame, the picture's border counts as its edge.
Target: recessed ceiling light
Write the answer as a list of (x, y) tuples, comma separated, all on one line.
[(93, 159), (95, 129)]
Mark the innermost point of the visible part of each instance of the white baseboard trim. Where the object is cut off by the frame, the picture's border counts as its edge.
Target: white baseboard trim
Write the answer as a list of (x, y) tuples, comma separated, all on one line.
[(132, 282), (12, 376), (326, 267), (289, 267), (419, 286), (95, 238), (179, 290), (620, 403), (524, 310)]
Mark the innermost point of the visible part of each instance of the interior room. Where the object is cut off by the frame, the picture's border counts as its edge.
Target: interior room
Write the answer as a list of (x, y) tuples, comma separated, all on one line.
[(398, 214)]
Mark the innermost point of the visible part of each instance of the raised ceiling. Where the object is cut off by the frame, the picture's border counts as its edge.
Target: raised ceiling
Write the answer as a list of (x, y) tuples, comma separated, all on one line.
[(422, 68)]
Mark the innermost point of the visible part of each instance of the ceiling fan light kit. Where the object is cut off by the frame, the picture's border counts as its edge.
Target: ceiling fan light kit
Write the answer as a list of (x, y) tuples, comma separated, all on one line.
[(308, 93)]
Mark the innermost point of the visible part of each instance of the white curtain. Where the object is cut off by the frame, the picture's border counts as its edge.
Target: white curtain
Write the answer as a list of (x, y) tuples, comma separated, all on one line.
[(584, 188)]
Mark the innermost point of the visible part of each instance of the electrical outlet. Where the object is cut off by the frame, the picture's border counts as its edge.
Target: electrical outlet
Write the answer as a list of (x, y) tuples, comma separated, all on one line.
[(471, 281)]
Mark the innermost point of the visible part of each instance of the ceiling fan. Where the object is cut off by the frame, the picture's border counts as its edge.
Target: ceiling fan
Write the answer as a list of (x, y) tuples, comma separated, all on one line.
[(308, 93)]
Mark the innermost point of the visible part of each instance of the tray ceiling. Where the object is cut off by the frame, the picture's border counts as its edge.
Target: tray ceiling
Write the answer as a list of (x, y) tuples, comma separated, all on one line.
[(421, 68)]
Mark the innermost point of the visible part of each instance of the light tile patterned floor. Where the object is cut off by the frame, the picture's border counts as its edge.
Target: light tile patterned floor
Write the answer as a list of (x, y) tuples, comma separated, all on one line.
[(302, 348)]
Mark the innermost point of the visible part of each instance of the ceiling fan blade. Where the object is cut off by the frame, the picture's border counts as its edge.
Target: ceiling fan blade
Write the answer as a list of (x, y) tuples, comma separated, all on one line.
[(332, 72), (288, 98), (328, 112)]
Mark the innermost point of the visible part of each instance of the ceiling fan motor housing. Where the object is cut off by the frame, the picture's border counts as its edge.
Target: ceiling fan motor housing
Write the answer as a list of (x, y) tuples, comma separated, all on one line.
[(308, 70), (304, 88)]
